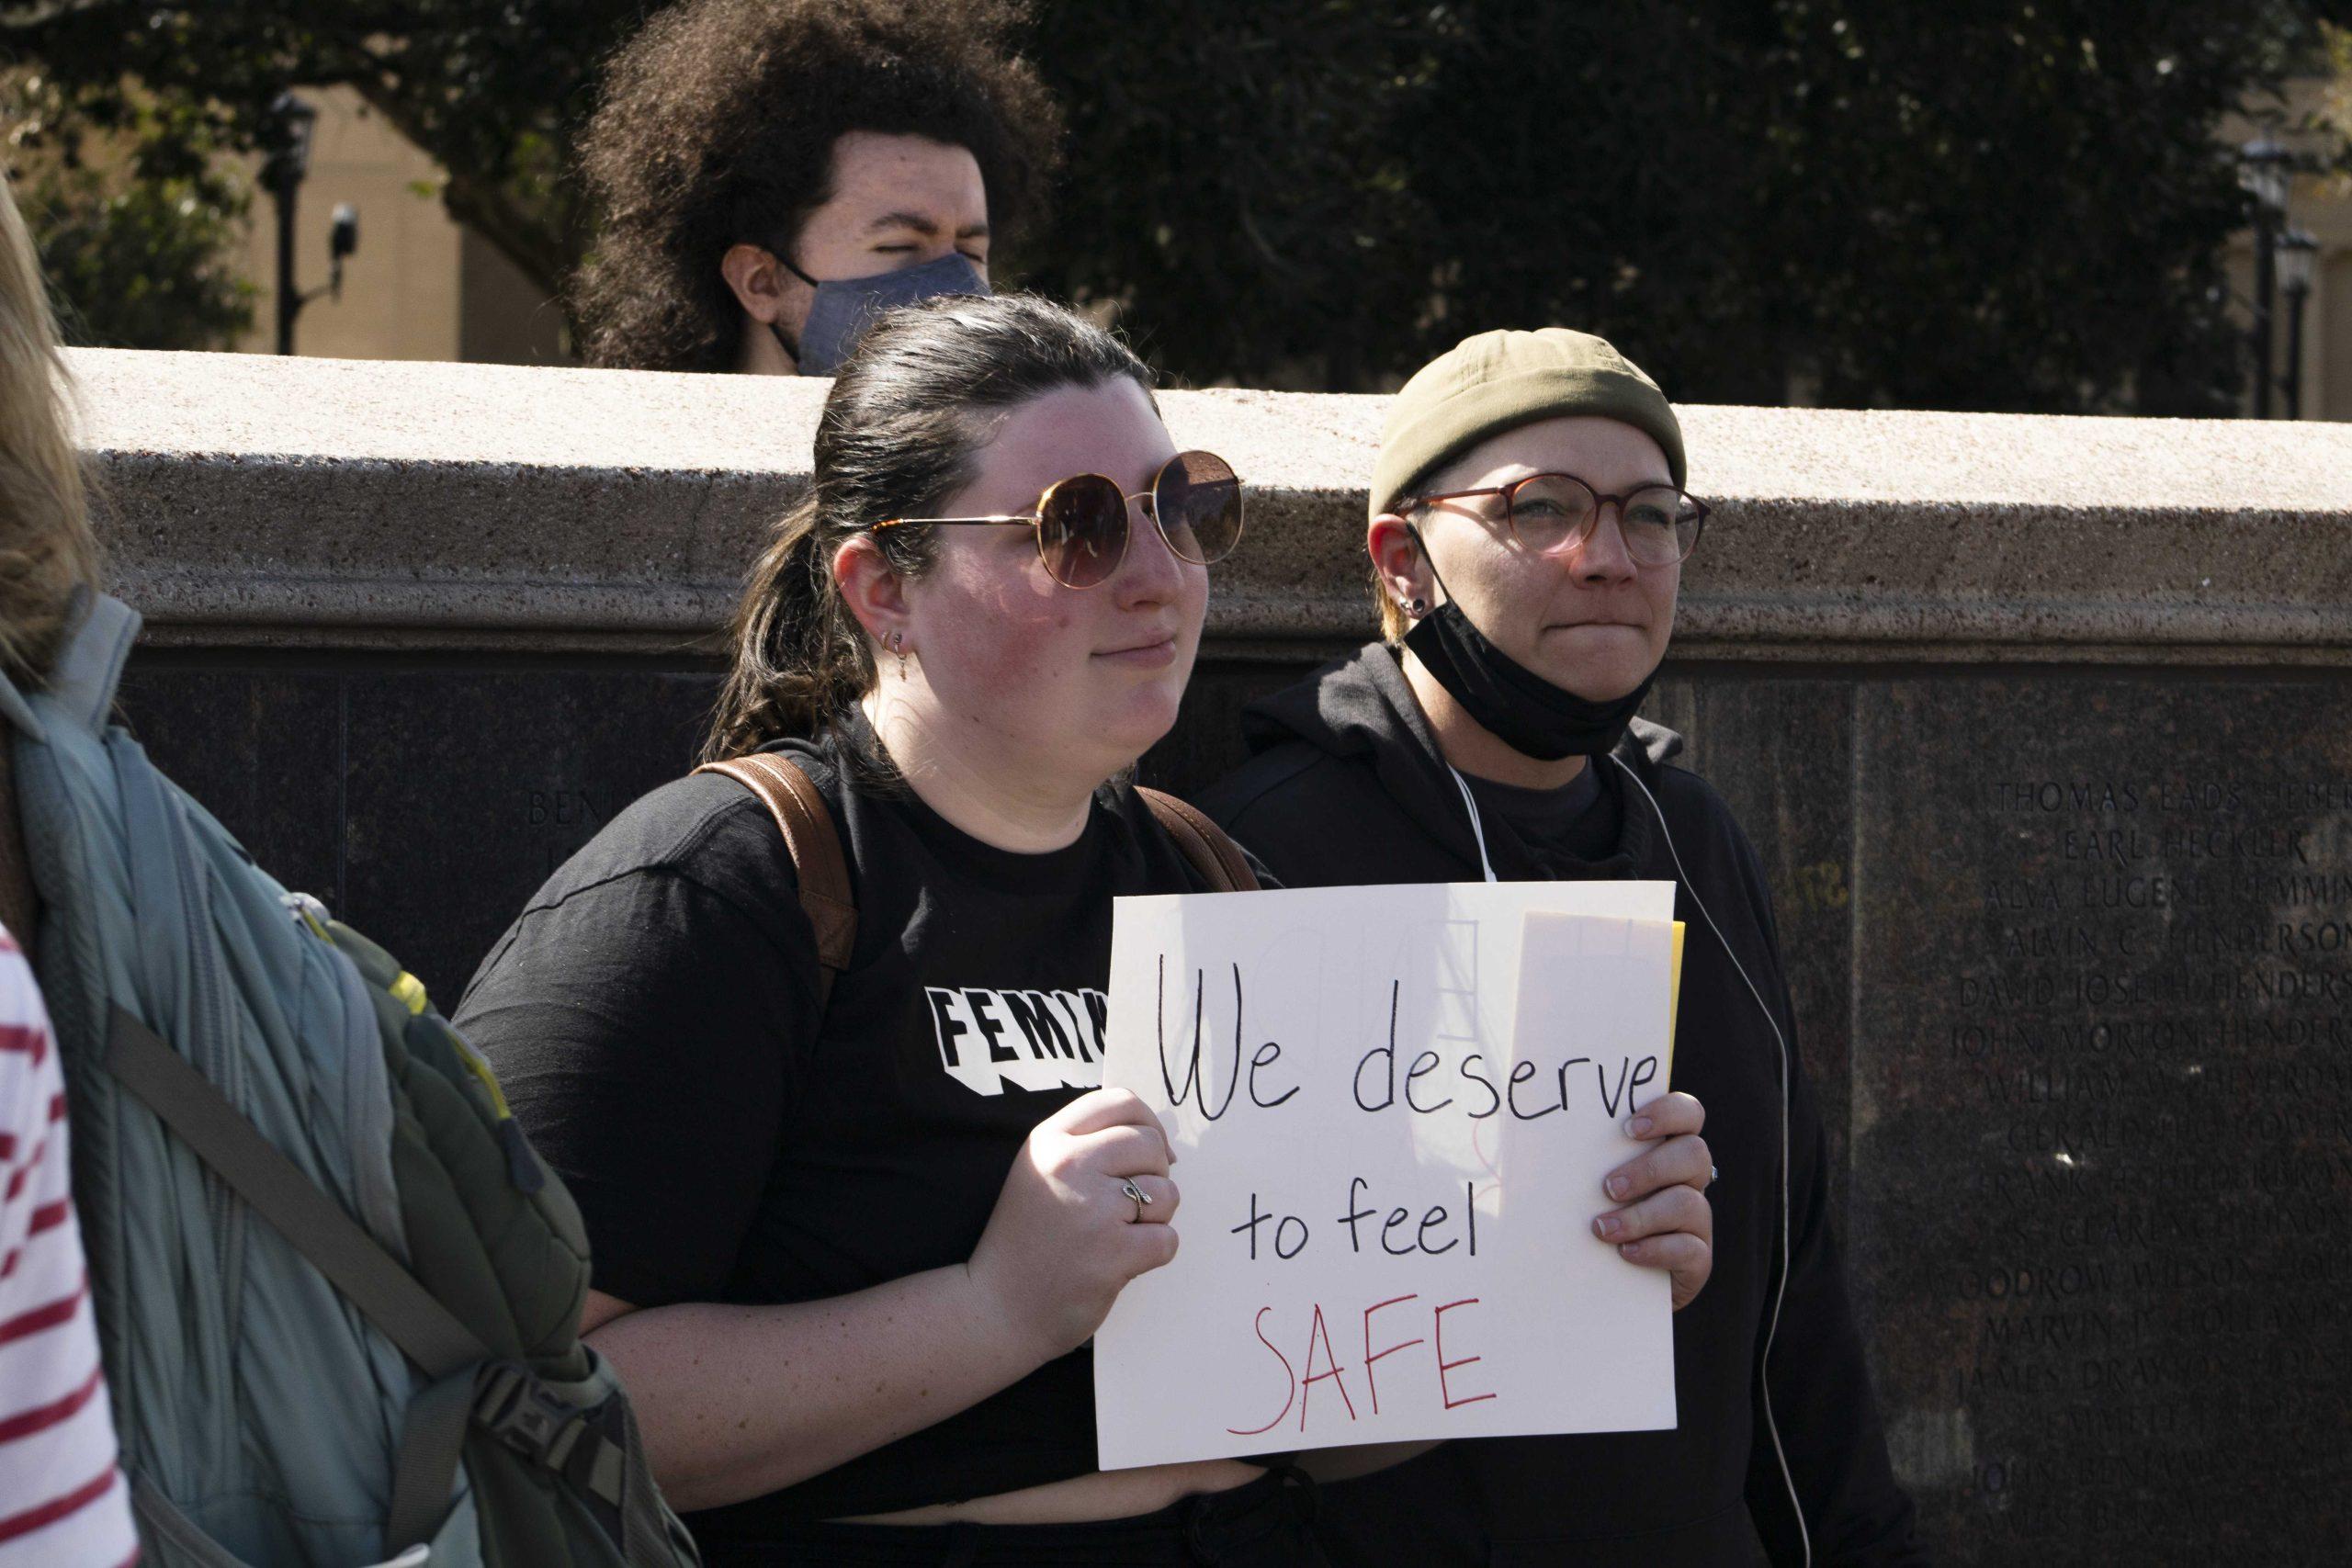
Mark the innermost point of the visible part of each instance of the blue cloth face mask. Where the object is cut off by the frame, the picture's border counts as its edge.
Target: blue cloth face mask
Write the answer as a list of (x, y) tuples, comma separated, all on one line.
[(845, 308)]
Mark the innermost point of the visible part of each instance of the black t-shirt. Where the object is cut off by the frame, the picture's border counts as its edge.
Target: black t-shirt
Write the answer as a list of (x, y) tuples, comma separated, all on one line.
[(1563, 831), (652, 1015)]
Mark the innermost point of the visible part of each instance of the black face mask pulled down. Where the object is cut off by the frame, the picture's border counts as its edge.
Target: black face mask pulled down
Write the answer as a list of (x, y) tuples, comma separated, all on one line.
[(1511, 701)]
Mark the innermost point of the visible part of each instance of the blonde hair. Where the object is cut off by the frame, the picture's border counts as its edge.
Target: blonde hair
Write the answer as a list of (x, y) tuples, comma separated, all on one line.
[(1394, 622), (47, 545)]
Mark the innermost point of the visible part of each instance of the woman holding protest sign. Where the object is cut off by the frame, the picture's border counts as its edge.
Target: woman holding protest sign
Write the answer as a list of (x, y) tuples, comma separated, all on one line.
[(1528, 526), (852, 1232)]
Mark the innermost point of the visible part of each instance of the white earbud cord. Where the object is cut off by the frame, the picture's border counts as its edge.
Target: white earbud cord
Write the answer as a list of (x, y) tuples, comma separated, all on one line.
[(1478, 827), (1772, 1326)]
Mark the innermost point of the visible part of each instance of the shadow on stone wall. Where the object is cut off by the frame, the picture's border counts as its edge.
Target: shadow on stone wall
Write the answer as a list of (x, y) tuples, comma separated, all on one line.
[(2070, 955)]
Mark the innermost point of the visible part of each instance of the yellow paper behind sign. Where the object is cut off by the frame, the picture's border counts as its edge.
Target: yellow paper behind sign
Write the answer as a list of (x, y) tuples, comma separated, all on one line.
[(1674, 998)]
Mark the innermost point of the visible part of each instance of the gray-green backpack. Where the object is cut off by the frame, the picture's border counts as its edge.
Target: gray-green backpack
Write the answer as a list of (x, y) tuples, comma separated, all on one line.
[(336, 1293)]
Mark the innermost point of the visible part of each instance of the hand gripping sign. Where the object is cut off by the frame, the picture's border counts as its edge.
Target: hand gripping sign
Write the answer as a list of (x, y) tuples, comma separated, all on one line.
[(1393, 1107)]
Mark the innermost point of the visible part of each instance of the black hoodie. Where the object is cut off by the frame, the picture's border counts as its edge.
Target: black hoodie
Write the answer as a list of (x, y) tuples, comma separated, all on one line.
[(1345, 785)]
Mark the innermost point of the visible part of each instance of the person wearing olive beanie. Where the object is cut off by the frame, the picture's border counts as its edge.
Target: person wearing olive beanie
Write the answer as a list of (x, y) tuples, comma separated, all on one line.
[(1528, 522), (1495, 381)]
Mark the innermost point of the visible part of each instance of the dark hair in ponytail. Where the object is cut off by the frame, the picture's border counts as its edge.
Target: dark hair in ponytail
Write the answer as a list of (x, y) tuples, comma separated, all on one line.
[(909, 412)]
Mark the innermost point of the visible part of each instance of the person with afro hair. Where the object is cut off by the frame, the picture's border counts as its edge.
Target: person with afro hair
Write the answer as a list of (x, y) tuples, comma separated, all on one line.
[(771, 174)]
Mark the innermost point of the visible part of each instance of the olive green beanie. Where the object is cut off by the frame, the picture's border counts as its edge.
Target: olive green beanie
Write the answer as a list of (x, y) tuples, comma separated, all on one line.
[(1497, 381)]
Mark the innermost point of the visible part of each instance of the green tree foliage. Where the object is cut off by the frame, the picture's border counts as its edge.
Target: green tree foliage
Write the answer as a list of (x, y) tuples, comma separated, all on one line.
[(1985, 204), (138, 241), (490, 89), (2000, 204), (1235, 183)]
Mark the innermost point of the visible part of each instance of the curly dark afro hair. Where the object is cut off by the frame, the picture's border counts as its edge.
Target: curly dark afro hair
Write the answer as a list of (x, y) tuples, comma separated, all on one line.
[(717, 126)]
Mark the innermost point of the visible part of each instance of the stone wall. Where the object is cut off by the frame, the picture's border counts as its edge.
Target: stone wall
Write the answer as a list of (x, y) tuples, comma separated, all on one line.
[(2043, 726)]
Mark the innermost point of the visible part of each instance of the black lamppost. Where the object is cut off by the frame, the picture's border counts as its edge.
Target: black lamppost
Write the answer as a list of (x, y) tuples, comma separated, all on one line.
[(2297, 253), (2262, 170), (282, 173)]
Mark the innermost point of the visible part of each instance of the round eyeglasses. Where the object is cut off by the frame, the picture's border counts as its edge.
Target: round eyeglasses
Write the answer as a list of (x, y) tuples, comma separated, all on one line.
[(1081, 522), (1553, 513)]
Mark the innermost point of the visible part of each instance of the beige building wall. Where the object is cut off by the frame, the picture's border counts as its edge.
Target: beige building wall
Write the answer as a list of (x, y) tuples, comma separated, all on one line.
[(420, 287), (2323, 210), (2321, 207), (2326, 384)]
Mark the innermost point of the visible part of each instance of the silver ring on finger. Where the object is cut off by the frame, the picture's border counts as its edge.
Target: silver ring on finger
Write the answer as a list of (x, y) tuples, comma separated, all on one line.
[(1135, 1195), (1714, 1174)]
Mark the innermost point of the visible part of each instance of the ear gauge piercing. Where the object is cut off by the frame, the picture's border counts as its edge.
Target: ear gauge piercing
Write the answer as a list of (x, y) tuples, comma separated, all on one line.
[(898, 646), (1414, 607)]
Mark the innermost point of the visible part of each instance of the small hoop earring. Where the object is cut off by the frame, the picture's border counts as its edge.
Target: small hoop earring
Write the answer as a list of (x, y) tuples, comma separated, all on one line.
[(898, 646)]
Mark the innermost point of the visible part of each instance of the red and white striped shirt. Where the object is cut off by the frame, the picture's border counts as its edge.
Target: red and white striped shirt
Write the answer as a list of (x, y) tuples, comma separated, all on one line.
[(61, 1499)]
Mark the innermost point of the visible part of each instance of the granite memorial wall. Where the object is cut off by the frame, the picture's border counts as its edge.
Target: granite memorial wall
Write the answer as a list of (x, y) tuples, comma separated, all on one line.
[(2043, 728)]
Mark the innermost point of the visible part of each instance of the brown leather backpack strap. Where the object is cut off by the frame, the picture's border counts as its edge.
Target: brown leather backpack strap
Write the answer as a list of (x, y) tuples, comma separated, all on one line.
[(815, 845), (1217, 857)]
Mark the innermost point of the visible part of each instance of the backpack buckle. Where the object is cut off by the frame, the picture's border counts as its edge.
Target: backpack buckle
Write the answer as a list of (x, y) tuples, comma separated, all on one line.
[(515, 1408)]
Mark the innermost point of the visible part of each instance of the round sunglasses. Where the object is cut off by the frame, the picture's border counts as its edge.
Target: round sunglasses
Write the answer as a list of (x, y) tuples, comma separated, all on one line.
[(1081, 522)]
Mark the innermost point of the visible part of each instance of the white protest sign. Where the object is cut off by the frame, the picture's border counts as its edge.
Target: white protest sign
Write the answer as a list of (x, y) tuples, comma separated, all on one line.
[(1387, 1188)]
